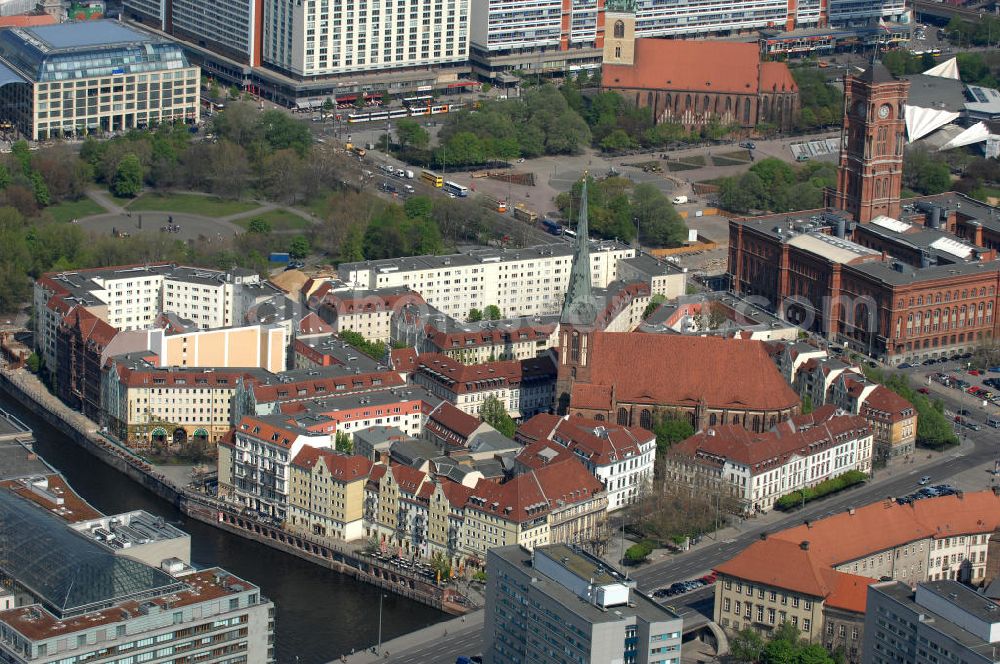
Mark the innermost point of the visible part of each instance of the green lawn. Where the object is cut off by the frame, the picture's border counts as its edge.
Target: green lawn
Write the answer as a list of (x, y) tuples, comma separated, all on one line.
[(206, 206), (280, 220), (69, 210), (726, 161), (742, 155), (674, 166), (696, 159)]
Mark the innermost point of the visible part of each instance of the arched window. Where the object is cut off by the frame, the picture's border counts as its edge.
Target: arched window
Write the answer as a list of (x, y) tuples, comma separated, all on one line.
[(574, 352), (646, 419), (623, 417), (746, 111), (756, 422), (712, 419), (705, 104), (619, 29), (687, 103)]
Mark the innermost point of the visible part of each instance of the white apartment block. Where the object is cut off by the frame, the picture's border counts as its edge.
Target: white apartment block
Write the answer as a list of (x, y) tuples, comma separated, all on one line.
[(254, 469), (655, 18), (323, 37), (521, 282), (133, 297)]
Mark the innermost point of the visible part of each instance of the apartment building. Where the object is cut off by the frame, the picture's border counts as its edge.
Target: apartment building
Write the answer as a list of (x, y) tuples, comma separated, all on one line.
[(120, 606), (620, 457), (133, 297), (944, 538), (430, 330), (255, 465), (327, 494), (524, 387), (230, 27), (558, 602), (404, 408), (892, 418), (540, 38), (367, 312), (522, 282), (69, 87), (938, 621), (143, 405), (763, 467)]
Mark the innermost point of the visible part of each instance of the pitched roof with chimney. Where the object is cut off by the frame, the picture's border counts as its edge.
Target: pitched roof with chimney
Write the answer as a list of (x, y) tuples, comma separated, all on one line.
[(272, 429), (463, 378), (543, 453), (342, 467), (536, 493), (600, 443), (91, 328), (886, 404), (313, 387), (661, 369), (312, 324), (770, 449), (452, 425)]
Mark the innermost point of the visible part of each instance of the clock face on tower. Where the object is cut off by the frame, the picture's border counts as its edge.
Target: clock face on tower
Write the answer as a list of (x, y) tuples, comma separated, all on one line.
[(883, 111)]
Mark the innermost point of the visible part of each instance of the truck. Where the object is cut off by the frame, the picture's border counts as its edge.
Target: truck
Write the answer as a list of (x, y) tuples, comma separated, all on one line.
[(522, 213), (680, 200), (409, 174)]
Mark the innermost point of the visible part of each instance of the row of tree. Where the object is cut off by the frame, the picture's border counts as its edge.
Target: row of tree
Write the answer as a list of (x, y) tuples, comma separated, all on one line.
[(933, 428), (616, 206), (771, 185)]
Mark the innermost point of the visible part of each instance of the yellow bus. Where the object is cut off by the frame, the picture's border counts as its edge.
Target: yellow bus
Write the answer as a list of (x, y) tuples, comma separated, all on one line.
[(432, 179)]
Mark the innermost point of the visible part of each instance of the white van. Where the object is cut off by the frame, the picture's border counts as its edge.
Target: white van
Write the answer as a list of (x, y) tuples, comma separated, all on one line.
[(680, 200)]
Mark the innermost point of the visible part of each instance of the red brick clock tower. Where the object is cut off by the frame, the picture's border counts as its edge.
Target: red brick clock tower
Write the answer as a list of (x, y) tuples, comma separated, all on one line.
[(870, 174)]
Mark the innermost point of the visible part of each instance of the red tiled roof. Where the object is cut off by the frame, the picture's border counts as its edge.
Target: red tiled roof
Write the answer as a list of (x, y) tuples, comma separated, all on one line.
[(598, 442), (535, 493), (543, 453), (588, 395), (281, 436), (538, 427), (403, 359), (689, 65), (678, 370), (311, 323), (445, 341), (345, 467), (456, 493), (91, 327), (312, 388), (408, 478), (776, 77), (448, 422), (26, 20), (884, 400), (461, 378), (761, 451), (174, 377), (850, 592)]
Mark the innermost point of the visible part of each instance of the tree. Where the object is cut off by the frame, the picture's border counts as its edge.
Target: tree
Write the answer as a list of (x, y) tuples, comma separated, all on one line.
[(475, 315), (746, 646), (299, 247), (670, 428), (637, 553), (494, 413), (343, 443), (259, 226), (328, 106), (411, 134), (492, 312), (654, 304), (807, 404), (127, 180)]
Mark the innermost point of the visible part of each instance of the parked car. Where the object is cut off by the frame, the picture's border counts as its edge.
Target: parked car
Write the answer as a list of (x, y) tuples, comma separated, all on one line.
[(929, 361), (964, 412), (923, 390), (905, 365), (974, 372), (926, 479)]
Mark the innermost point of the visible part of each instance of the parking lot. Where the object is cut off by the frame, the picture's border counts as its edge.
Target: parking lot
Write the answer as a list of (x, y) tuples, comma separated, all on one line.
[(982, 386), (683, 587)]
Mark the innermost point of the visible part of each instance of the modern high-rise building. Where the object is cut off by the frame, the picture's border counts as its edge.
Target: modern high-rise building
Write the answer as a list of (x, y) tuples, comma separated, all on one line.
[(536, 37), (74, 79), (939, 621), (558, 604)]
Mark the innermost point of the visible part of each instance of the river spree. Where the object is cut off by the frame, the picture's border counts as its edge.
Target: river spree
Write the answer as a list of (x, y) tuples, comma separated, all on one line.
[(320, 614)]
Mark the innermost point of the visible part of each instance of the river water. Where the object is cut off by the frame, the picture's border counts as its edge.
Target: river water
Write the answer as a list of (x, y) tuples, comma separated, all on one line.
[(320, 614)]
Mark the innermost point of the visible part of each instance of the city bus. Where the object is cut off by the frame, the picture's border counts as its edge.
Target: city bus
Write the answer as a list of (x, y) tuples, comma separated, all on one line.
[(433, 179), (457, 189)]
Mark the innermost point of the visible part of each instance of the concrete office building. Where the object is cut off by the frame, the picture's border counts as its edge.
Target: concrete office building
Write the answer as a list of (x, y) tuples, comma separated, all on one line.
[(75, 79), (82, 603), (522, 282), (559, 604), (940, 621), (539, 37), (229, 27)]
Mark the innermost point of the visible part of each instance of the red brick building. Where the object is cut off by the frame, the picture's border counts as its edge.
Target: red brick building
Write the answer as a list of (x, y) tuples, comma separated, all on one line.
[(694, 83), (897, 280)]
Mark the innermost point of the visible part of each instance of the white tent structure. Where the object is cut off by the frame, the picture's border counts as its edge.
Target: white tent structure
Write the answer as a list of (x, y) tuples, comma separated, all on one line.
[(947, 69), (974, 134), (922, 121)]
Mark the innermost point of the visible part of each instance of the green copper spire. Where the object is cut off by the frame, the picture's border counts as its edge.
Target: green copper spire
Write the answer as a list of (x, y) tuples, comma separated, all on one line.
[(579, 307)]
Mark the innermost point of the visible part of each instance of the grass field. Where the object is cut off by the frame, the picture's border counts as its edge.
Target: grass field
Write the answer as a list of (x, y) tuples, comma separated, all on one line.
[(726, 161), (675, 166), (73, 210), (696, 159), (280, 220), (206, 206), (740, 155)]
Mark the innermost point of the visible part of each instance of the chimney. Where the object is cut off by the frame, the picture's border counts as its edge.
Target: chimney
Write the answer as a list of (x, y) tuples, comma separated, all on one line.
[(804, 545)]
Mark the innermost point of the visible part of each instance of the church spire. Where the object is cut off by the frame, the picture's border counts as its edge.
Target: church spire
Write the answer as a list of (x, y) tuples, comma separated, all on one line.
[(579, 307)]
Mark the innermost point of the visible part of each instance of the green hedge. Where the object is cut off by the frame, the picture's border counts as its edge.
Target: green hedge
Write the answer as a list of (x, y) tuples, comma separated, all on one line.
[(825, 488)]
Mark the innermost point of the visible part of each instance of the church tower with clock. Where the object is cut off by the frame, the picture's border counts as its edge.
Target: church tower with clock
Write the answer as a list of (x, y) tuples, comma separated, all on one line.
[(870, 173)]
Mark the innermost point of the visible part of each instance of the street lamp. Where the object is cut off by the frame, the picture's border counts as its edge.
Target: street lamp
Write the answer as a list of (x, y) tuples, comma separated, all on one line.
[(381, 596)]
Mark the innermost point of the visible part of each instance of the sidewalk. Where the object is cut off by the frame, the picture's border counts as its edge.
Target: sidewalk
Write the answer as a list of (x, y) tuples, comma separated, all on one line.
[(467, 624)]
